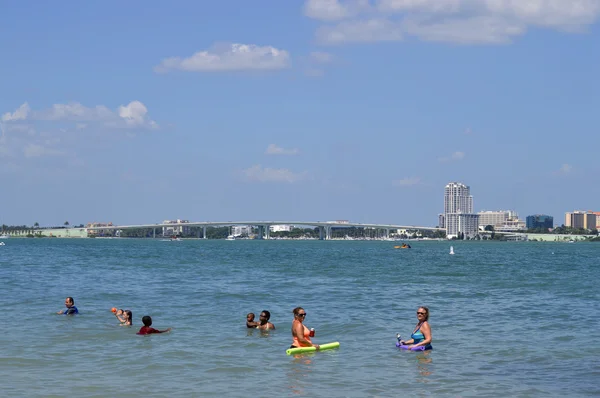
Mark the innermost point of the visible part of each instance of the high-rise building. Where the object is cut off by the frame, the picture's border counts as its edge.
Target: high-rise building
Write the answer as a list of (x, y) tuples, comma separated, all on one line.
[(539, 221), (580, 219), (458, 214), (457, 198)]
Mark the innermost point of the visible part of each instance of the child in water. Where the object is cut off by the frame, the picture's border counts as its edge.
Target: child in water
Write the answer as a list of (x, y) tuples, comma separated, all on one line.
[(250, 321), (147, 329)]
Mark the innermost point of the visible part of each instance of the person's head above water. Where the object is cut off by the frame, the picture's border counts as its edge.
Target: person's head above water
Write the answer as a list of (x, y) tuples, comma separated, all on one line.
[(129, 316), (266, 315), (299, 314), (423, 313), (146, 320), (250, 317), (69, 302)]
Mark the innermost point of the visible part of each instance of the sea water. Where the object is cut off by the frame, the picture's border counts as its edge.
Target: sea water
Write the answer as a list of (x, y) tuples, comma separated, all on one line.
[(508, 319)]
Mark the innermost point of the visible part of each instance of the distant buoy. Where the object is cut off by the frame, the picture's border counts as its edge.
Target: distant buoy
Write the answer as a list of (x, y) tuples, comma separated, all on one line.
[(451, 250)]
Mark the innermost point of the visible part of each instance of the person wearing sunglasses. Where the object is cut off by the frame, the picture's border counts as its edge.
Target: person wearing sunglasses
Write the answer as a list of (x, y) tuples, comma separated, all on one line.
[(421, 336), (300, 333), (264, 323)]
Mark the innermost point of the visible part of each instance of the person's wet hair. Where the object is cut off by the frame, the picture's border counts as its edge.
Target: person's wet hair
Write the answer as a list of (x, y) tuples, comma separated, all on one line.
[(147, 321), (267, 314), (130, 316), (70, 300)]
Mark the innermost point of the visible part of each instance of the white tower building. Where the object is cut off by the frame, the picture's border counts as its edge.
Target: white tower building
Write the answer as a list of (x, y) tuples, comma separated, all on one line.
[(458, 211)]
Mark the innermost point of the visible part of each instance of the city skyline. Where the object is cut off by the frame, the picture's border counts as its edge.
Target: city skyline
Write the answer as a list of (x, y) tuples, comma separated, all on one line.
[(309, 110)]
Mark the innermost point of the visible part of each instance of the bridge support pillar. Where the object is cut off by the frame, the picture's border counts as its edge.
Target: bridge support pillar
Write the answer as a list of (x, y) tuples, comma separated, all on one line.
[(204, 232), (267, 232), (153, 233), (387, 233), (261, 232)]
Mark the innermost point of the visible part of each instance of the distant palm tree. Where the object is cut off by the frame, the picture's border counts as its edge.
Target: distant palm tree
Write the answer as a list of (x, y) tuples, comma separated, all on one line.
[(66, 223), (36, 225)]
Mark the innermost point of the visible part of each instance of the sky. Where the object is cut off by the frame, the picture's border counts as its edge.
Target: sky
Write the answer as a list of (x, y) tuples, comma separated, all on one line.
[(362, 110)]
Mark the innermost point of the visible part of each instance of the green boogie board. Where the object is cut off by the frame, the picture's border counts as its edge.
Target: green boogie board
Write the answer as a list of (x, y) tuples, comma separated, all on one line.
[(301, 350)]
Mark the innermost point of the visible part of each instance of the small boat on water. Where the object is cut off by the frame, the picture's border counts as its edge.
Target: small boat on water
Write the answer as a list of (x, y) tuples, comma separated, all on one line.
[(403, 246), (2, 243), (230, 237), (4, 236), (451, 250)]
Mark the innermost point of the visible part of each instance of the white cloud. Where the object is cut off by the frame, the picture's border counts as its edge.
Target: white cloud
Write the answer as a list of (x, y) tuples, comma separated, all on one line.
[(330, 10), (260, 174), (457, 21), (476, 30), (133, 114), (276, 150), (234, 57), (20, 114), (36, 150), (455, 156), (565, 169), (405, 182), (360, 31)]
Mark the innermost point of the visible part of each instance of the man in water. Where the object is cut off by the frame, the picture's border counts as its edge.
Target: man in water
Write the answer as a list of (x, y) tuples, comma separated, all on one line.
[(71, 309), (264, 323)]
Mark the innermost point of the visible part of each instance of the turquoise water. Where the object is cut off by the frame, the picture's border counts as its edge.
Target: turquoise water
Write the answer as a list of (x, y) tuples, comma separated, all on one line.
[(508, 319)]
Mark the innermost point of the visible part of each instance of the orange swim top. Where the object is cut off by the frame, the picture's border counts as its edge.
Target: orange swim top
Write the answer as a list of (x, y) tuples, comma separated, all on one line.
[(297, 343)]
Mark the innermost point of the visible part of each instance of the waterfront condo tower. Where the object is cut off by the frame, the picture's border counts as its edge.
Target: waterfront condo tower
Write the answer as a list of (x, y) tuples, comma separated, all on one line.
[(458, 211)]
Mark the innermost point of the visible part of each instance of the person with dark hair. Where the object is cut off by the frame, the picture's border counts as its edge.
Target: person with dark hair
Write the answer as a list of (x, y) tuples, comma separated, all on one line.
[(147, 329), (250, 323), (71, 309), (421, 336), (264, 323), (125, 317), (300, 333)]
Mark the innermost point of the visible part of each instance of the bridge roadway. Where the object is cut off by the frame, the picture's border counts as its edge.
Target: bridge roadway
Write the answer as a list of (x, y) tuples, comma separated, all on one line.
[(263, 226)]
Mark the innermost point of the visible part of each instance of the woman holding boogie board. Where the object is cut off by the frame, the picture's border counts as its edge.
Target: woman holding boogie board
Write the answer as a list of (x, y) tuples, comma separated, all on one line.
[(300, 333)]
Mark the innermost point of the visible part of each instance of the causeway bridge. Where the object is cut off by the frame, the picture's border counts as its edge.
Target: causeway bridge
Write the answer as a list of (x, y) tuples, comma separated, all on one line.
[(264, 230)]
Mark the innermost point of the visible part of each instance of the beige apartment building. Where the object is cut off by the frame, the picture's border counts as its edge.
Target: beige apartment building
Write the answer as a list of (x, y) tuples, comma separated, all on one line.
[(581, 219)]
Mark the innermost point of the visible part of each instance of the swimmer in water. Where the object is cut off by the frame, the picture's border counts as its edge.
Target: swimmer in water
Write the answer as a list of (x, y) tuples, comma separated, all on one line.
[(147, 329), (264, 323), (300, 333), (71, 309), (125, 317), (421, 336)]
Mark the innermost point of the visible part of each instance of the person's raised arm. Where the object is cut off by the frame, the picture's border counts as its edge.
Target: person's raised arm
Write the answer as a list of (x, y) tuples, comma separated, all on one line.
[(118, 314)]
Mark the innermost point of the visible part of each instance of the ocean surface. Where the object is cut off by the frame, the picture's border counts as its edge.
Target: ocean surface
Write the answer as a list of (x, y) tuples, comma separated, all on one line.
[(508, 318)]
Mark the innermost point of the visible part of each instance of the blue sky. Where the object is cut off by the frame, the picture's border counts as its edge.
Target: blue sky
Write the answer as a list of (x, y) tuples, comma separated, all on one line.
[(141, 111)]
